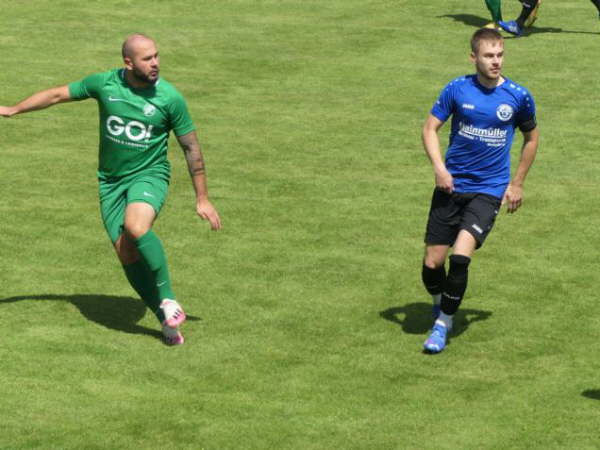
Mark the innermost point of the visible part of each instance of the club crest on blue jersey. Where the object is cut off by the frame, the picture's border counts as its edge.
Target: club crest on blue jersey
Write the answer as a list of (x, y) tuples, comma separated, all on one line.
[(504, 112)]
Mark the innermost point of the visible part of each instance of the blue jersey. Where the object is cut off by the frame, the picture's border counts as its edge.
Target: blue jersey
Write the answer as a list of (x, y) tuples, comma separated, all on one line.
[(483, 125)]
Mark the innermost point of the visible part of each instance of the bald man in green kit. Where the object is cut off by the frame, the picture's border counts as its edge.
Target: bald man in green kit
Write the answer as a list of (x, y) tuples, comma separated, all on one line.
[(137, 110)]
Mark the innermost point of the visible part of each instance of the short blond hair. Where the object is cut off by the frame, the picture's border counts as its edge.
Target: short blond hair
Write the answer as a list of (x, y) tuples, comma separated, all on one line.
[(484, 34)]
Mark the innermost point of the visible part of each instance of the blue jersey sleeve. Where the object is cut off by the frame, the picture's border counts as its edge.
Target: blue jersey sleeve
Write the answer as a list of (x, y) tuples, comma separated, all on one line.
[(525, 118), (444, 106)]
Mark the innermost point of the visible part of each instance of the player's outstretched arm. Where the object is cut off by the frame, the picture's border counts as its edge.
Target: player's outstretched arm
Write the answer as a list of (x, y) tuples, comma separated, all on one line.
[(39, 100), (431, 143), (195, 161), (513, 197)]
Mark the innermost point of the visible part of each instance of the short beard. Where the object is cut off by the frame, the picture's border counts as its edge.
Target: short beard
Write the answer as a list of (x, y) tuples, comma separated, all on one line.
[(488, 77), (143, 78)]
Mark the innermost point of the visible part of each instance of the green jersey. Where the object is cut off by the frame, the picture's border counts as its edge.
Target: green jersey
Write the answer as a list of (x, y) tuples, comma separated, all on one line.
[(134, 123)]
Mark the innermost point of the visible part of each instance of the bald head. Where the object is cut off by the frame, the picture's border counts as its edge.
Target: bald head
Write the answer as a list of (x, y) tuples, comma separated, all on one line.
[(141, 59), (133, 42)]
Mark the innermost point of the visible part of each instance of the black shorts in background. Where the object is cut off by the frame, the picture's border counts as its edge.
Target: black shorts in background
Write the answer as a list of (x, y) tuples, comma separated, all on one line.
[(451, 213)]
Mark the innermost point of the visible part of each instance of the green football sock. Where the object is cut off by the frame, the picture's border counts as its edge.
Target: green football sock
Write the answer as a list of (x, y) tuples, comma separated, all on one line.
[(142, 282), (495, 8), (153, 254)]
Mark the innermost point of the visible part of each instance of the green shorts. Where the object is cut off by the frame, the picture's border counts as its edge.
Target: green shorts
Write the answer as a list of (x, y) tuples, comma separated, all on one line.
[(115, 194)]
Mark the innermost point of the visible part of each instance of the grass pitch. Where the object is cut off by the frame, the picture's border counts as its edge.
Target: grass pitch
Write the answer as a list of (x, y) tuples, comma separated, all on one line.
[(308, 313)]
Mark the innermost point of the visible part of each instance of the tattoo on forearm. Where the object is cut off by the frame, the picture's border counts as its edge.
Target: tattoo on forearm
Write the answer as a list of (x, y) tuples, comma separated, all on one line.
[(194, 159), (197, 166), (193, 154)]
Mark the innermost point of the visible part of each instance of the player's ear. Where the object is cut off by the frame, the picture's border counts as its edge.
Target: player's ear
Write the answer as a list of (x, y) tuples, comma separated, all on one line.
[(128, 62), (472, 57)]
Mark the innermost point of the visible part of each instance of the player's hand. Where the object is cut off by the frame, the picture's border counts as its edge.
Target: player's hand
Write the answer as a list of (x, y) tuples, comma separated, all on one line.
[(207, 211), (513, 198), (7, 111), (444, 181)]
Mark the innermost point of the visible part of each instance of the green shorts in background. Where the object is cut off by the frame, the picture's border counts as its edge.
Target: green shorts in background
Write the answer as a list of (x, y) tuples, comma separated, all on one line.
[(115, 194)]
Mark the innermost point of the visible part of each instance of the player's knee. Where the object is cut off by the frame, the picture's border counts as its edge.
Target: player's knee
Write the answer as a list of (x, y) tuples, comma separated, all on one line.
[(432, 263), (434, 260), (135, 230), (435, 256)]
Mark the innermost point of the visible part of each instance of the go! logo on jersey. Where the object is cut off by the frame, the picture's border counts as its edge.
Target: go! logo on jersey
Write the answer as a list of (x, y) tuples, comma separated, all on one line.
[(134, 130)]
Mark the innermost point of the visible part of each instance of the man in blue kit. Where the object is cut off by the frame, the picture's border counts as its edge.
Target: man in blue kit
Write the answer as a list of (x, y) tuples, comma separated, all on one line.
[(474, 181)]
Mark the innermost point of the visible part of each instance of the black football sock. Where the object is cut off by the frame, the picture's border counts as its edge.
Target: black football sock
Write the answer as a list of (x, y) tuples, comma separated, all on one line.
[(597, 5), (433, 279), (528, 7), (456, 283)]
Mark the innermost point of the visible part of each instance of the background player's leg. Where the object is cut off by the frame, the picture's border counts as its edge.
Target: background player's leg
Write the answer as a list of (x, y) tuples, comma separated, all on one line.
[(526, 18), (533, 16), (597, 5), (528, 8), (495, 9)]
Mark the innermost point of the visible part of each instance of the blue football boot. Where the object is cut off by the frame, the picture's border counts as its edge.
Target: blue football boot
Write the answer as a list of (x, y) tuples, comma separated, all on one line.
[(436, 342), (511, 27)]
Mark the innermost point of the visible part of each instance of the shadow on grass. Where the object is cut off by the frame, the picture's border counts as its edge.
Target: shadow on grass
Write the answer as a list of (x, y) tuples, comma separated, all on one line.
[(468, 19), (415, 318), (478, 22), (594, 394), (116, 313), (536, 30)]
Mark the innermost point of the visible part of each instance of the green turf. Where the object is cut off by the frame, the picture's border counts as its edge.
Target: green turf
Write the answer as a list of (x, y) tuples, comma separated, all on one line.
[(308, 313)]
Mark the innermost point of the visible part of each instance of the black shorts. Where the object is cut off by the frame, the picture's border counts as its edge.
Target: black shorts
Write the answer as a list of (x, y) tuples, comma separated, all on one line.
[(451, 213)]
